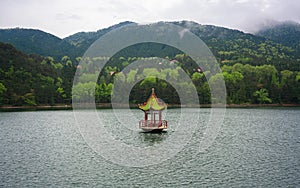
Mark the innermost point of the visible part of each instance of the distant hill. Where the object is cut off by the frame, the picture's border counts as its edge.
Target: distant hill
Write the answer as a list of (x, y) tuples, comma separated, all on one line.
[(83, 40), (278, 46), (32, 41), (233, 46), (286, 33), (228, 45)]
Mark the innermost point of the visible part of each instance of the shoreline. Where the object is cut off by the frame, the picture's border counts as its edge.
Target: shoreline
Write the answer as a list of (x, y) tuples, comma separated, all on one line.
[(109, 106)]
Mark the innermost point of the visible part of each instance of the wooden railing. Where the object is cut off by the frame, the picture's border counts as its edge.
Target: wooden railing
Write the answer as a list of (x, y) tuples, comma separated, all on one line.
[(150, 123)]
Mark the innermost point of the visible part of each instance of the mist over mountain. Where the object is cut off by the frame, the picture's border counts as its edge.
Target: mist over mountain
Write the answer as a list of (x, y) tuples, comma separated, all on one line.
[(277, 45), (286, 33)]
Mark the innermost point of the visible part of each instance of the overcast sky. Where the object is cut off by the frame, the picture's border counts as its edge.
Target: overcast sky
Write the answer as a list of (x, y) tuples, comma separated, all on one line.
[(65, 17)]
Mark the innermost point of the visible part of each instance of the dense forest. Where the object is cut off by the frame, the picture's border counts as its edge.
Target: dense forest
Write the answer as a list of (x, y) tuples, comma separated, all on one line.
[(32, 79), (257, 69), (245, 84)]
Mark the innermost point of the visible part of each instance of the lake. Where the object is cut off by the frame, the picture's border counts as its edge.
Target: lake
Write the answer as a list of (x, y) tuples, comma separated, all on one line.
[(253, 148)]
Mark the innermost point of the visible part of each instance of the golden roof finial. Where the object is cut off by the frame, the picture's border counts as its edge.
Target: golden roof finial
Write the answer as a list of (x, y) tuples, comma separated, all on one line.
[(153, 90)]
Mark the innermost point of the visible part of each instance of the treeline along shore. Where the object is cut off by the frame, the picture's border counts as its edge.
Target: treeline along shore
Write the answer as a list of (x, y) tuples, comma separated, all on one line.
[(37, 81), (134, 106), (258, 70)]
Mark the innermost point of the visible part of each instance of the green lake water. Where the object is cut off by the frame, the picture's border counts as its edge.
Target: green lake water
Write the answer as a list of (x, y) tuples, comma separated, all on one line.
[(254, 148)]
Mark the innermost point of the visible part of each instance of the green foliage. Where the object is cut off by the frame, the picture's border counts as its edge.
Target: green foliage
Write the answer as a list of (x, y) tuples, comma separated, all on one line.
[(262, 96), (33, 80), (2, 90), (36, 81), (197, 76), (31, 41), (298, 77), (131, 77), (277, 46), (29, 99), (84, 91), (103, 92), (232, 46), (287, 33), (255, 70)]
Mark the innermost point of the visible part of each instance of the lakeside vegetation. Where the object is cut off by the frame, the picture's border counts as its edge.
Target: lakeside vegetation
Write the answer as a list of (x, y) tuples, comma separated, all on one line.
[(34, 80), (261, 69)]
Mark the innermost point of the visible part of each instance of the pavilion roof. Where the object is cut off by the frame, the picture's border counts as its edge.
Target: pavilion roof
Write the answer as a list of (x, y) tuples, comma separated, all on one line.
[(153, 103)]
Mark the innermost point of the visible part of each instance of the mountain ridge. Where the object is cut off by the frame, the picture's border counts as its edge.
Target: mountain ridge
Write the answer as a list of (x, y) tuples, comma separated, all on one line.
[(34, 41), (286, 33), (228, 45)]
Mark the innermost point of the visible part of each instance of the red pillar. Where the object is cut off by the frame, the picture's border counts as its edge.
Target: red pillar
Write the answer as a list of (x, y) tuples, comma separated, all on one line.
[(154, 123), (159, 115), (152, 117), (146, 118), (160, 121)]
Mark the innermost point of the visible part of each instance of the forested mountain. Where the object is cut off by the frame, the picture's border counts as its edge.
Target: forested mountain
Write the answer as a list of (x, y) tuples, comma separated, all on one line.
[(32, 79), (287, 33), (278, 46), (233, 46), (83, 40), (32, 41), (229, 46), (256, 69)]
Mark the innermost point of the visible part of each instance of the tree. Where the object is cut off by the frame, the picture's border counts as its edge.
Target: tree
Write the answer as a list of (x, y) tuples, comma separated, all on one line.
[(218, 92), (2, 90), (131, 76), (262, 96), (84, 91), (233, 86), (29, 99)]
